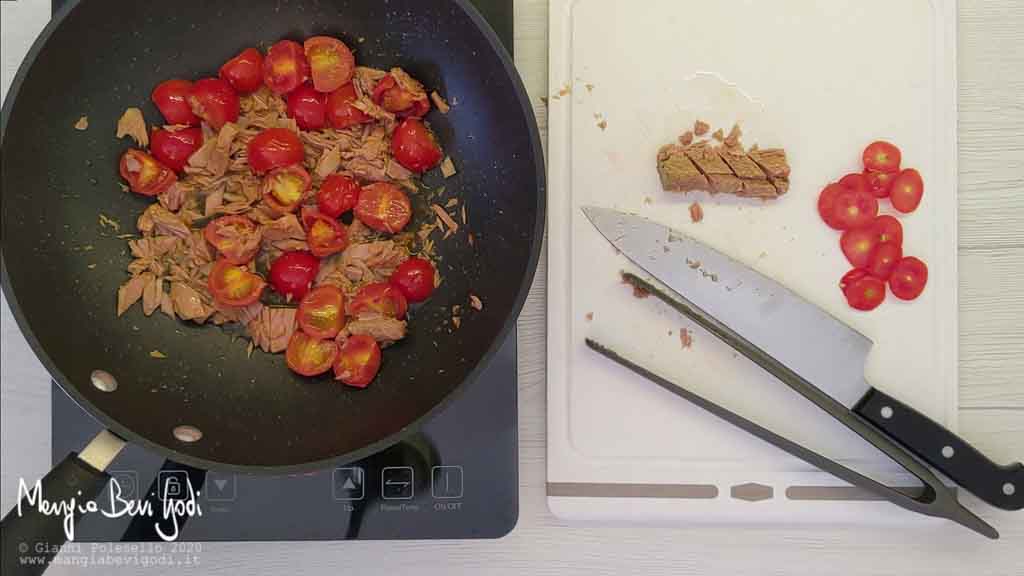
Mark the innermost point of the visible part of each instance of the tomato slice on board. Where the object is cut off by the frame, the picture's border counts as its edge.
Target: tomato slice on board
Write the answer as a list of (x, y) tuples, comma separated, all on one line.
[(907, 190), (880, 183), (292, 273), (233, 285), (414, 146), (883, 259), (854, 209), (383, 207), (827, 204), (858, 244), (244, 72), (338, 194), (908, 278), (275, 148), (851, 277), (308, 107), (865, 292), (171, 98), (415, 278), (882, 156), (326, 236), (310, 356), (340, 111), (358, 361), (174, 147), (322, 312), (389, 95), (379, 298), (236, 238), (331, 63), (285, 68), (855, 181), (888, 229), (145, 174), (215, 101), (284, 188)]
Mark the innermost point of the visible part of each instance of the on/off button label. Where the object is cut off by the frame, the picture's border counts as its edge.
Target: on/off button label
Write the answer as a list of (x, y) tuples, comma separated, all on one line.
[(446, 482)]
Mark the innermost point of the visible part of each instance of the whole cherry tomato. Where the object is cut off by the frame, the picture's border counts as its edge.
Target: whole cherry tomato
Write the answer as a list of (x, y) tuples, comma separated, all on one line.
[(292, 273), (307, 107), (338, 194), (244, 72), (174, 147), (414, 146), (171, 98), (340, 111), (275, 148), (415, 278)]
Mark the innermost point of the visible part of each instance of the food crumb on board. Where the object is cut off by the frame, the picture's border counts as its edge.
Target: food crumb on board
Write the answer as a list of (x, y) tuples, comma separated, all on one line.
[(566, 90), (701, 128), (719, 135), (448, 167), (638, 292), (544, 100), (647, 200), (82, 124), (109, 222), (686, 138), (696, 212), (733, 139), (589, 87), (694, 264), (158, 355), (475, 303), (589, 316), (132, 123), (442, 106), (685, 338)]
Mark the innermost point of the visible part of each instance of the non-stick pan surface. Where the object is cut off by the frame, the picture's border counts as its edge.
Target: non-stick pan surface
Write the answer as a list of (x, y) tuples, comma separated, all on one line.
[(61, 268)]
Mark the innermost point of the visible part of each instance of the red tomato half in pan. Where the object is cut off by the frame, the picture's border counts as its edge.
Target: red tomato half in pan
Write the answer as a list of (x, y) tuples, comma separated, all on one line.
[(340, 111), (236, 238), (907, 190), (145, 174), (308, 107), (233, 285), (389, 95), (310, 356), (414, 146), (171, 98), (215, 101), (292, 273), (908, 278), (322, 312), (379, 298), (882, 157), (244, 72), (275, 148), (331, 63), (338, 194), (415, 278), (174, 147), (383, 207), (358, 361), (326, 236), (284, 188), (285, 68)]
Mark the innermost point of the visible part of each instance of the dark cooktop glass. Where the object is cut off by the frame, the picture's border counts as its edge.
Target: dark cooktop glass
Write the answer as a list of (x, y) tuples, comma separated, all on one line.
[(458, 478)]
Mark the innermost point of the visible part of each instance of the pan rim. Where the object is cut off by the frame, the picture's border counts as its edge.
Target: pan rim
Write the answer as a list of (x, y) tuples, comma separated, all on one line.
[(111, 424)]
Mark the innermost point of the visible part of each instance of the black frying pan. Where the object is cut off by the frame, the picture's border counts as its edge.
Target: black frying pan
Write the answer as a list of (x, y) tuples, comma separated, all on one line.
[(97, 58)]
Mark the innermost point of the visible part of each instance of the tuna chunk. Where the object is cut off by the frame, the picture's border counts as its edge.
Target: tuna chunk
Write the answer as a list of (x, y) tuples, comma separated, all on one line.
[(162, 222), (130, 292), (188, 303), (272, 330), (384, 329)]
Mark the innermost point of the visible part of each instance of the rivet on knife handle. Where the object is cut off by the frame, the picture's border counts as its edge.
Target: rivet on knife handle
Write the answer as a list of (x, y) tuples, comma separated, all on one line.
[(1000, 486)]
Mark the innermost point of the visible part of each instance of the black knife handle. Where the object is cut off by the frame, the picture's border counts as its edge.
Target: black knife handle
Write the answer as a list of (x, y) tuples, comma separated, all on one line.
[(1000, 486)]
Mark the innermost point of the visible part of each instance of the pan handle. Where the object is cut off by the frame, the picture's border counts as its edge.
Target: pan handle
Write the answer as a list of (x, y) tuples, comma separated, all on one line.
[(31, 538)]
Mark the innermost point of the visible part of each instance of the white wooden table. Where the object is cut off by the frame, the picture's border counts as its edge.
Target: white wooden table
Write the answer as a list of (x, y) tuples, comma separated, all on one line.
[(991, 380)]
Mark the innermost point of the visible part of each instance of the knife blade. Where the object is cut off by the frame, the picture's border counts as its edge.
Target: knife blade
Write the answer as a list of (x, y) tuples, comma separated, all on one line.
[(824, 351)]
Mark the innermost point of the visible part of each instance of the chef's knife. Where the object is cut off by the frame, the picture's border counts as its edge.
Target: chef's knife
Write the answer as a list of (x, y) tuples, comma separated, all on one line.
[(807, 340)]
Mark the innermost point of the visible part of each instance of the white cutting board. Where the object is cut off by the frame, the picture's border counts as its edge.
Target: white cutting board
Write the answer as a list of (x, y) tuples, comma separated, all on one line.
[(821, 79)]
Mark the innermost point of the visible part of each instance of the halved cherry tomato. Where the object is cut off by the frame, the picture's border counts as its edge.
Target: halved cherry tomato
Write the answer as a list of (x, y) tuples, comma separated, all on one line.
[(236, 238), (309, 356), (908, 278), (338, 194), (322, 312), (326, 236), (888, 229), (855, 181), (415, 278), (390, 96), (174, 147), (858, 244), (882, 157), (879, 183), (307, 107), (292, 273), (284, 188), (379, 298), (854, 209), (215, 101), (285, 68), (883, 259), (171, 98), (145, 174), (851, 277), (414, 146), (358, 361), (865, 292), (331, 63), (827, 204), (907, 190), (340, 111), (244, 72), (233, 285), (383, 207), (275, 148)]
